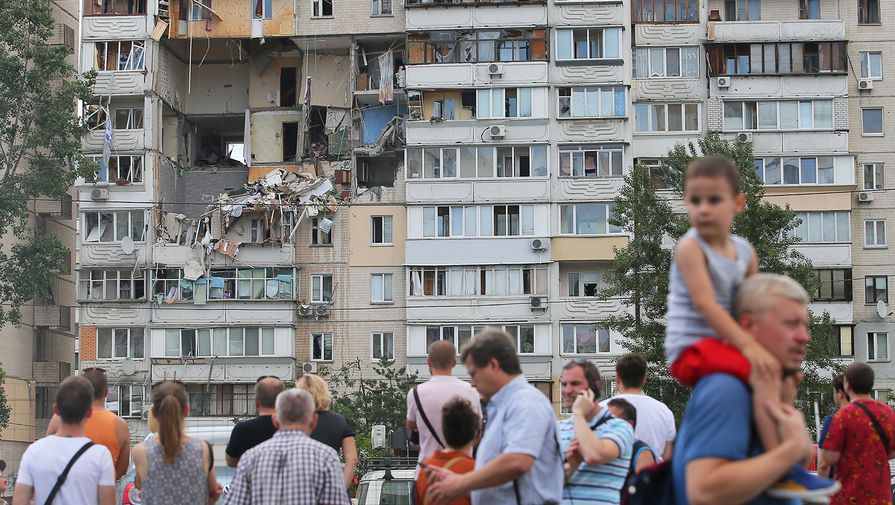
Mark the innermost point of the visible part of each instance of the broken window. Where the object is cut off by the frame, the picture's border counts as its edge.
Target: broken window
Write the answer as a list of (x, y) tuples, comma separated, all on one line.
[(262, 9), (583, 283), (128, 118), (321, 228), (120, 55), (478, 45), (259, 232), (170, 284), (123, 168), (94, 115), (111, 7), (321, 8)]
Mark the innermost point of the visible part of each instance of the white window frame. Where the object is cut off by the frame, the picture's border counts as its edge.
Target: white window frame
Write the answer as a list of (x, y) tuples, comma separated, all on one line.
[(610, 229), (484, 215), (652, 73), (561, 34), (581, 291), (384, 238), (377, 8), (220, 340), (755, 112), (135, 172), (499, 96), (515, 333), (427, 155), (134, 391), (867, 65), (385, 291), (466, 281), (882, 113), (317, 9), (877, 179), (651, 108), (568, 102), (761, 164), (93, 282), (131, 121), (318, 284), (135, 60), (111, 333), (874, 339), (873, 228), (116, 215), (576, 351), (382, 338), (324, 336), (577, 156), (841, 226)]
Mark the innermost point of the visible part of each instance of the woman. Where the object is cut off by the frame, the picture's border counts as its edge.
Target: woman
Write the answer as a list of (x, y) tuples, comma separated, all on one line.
[(332, 429), (174, 469)]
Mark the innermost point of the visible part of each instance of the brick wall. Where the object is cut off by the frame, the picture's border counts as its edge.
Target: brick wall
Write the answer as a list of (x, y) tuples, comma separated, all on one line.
[(88, 343)]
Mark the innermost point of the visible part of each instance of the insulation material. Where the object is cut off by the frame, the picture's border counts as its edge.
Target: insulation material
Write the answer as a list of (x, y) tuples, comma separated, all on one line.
[(329, 75)]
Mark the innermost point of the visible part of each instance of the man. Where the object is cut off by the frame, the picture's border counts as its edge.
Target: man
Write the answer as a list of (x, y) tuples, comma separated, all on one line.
[(89, 482), (840, 397), (717, 460), (518, 459), (291, 467), (251, 432), (433, 395), (655, 422), (642, 455), (859, 449), (103, 427), (596, 470)]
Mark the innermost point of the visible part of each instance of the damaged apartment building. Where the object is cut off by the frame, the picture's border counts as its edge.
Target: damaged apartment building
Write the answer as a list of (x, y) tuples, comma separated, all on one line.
[(238, 143)]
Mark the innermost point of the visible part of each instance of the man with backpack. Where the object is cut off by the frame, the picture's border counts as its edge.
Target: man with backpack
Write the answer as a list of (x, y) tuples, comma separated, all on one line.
[(48, 471), (642, 455)]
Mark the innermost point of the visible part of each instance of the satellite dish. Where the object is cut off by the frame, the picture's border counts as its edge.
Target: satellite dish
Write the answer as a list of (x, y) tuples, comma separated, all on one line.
[(881, 309), (128, 367), (127, 245)]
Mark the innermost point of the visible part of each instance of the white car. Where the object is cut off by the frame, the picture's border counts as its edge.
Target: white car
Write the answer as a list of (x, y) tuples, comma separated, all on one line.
[(386, 483)]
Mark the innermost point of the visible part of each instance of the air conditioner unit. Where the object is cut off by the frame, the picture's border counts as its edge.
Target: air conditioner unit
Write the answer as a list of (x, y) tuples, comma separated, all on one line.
[(322, 310), (865, 196), (538, 303), (309, 367), (495, 69), (724, 82), (144, 412), (865, 84), (99, 194), (497, 131), (744, 137), (539, 244), (305, 310)]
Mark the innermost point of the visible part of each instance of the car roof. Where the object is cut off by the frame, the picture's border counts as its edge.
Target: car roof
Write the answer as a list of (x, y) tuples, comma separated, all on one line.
[(403, 474)]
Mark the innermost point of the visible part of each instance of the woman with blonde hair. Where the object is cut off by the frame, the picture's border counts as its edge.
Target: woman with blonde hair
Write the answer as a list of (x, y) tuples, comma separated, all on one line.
[(332, 429), (174, 469)]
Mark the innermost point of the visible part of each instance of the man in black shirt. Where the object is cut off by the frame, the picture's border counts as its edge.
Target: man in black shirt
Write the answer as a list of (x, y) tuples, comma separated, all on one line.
[(249, 433)]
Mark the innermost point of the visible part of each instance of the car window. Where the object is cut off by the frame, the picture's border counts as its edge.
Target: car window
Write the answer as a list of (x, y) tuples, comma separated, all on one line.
[(362, 493), (396, 492)]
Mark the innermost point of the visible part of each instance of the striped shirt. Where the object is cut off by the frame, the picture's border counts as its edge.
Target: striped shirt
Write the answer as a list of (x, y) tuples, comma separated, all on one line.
[(289, 468), (598, 484)]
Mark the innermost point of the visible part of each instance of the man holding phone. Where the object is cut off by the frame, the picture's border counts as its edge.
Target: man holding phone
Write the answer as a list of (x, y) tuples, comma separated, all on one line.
[(597, 446)]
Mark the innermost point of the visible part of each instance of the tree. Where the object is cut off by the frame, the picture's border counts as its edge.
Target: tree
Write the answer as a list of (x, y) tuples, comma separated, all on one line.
[(40, 139), (4, 405)]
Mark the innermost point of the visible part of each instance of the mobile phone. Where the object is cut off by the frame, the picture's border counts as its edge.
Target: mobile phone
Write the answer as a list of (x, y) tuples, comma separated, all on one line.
[(596, 390)]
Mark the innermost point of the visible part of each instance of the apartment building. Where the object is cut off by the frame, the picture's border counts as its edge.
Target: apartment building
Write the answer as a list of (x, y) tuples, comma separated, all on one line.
[(40, 353)]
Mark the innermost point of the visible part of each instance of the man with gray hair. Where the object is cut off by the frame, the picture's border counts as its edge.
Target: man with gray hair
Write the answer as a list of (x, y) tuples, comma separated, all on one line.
[(290, 467)]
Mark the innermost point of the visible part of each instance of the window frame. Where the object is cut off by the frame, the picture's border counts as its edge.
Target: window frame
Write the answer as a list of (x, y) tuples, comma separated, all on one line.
[(875, 226), (320, 238), (87, 283), (135, 118), (558, 32), (319, 7), (616, 158), (226, 335), (840, 331), (588, 91), (826, 276), (440, 218), (131, 388), (864, 61), (873, 347), (517, 108), (650, 74), (805, 9), (382, 337), (383, 219), (839, 224), (651, 110), (471, 46), (610, 228), (477, 280), (761, 166), (581, 289), (755, 106), (323, 336), (321, 280), (866, 14), (138, 66), (882, 122), (386, 295), (376, 8), (536, 153), (266, 9), (878, 171), (690, 10), (115, 213), (870, 288), (134, 175), (131, 346), (576, 345)]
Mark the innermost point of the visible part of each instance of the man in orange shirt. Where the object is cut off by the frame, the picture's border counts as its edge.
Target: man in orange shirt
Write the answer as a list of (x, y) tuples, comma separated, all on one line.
[(103, 427), (461, 426)]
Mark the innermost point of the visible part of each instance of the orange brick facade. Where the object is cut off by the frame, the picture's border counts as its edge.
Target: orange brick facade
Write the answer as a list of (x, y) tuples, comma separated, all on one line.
[(88, 343)]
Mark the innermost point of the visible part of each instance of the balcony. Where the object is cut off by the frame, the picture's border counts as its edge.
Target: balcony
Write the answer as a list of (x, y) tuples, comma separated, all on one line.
[(228, 370), (115, 27), (119, 83), (475, 309), (512, 190), (473, 131), (51, 371), (122, 141), (53, 316), (472, 251), (428, 15), (813, 30), (533, 367), (437, 75)]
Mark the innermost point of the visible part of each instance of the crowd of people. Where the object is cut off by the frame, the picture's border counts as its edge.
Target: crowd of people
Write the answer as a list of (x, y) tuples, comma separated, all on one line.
[(737, 337)]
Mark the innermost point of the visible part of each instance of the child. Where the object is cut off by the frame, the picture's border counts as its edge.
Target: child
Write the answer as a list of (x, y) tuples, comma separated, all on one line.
[(702, 337), (461, 426)]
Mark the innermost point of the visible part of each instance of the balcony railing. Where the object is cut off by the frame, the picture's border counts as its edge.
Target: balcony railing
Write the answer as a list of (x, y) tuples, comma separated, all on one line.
[(443, 3)]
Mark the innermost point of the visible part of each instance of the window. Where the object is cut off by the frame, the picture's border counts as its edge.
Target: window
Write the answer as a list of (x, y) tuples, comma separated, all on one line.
[(588, 43), (742, 10), (583, 283), (262, 9), (125, 401), (672, 117), (809, 9), (666, 62), (586, 219), (381, 8), (876, 288), (233, 341), (459, 335), (128, 118), (249, 284), (383, 345), (258, 231), (112, 226), (382, 288), (470, 46), (122, 168), (381, 230), (122, 55), (199, 13), (111, 285), (868, 12), (772, 115), (472, 162), (835, 285), (584, 338), (776, 58), (872, 121), (874, 176), (94, 8), (523, 335), (871, 65), (665, 11), (591, 102), (791, 170), (321, 8), (877, 346), (483, 221), (875, 233), (843, 341), (591, 161), (170, 285), (321, 288), (504, 280), (115, 343), (321, 231), (503, 103), (322, 346), (825, 226)]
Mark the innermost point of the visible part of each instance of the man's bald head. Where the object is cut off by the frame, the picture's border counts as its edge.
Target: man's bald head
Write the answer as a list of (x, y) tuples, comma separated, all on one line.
[(756, 293), (442, 355), (266, 391)]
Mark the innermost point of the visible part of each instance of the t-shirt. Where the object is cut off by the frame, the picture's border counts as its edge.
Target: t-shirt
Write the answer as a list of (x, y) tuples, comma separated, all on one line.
[(45, 459), (601, 484), (434, 394), (824, 430), (464, 464), (717, 424), (249, 433), (863, 467), (331, 429), (655, 421)]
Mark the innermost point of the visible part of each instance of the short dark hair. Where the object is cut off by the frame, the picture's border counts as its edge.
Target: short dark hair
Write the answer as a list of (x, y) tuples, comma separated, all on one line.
[(442, 354), (630, 370), (591, 372), (839, 383), (74, 397), (459, 423), (493, 343), (629, 412), (715, 166), (266, 391), (860, 378), (98, 380)]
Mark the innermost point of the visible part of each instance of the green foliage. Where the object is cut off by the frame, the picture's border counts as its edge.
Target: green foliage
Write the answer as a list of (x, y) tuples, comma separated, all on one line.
[(40, 139), (4, 405)]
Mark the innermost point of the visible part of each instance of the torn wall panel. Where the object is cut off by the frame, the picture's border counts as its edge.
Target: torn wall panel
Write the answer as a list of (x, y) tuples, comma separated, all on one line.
[(233, 19), (330, 84), (218, 89), (265, 89), (271, 136)]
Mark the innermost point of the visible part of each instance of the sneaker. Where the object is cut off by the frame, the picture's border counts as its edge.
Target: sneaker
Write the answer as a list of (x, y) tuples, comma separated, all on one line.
[(802, 484)]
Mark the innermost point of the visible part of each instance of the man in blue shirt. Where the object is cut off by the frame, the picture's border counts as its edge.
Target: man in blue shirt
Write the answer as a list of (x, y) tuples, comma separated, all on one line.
[(840, 397), (518, 460), (717, 457)]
